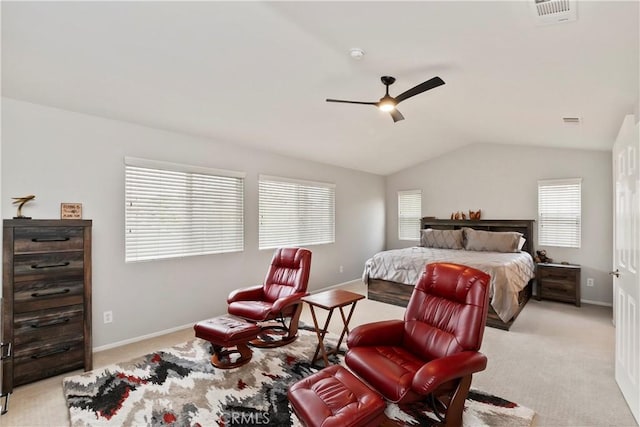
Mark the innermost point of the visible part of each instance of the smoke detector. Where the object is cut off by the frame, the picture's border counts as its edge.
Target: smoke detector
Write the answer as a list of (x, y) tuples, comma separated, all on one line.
[(356, 53), (554, 11)]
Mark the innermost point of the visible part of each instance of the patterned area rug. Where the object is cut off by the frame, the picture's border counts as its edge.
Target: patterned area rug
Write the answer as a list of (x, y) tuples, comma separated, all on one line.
[(178, 386)]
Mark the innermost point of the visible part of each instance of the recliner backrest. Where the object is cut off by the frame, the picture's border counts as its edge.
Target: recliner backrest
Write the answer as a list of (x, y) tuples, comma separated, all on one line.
[(288, 273), (447, 311)]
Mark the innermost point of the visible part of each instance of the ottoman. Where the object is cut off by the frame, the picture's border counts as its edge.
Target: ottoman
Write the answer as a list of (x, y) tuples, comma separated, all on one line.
[(335, 397), (224, 333)]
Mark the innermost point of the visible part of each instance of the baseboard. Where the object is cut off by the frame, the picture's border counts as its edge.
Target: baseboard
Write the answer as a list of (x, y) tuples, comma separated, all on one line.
[(604, 304), (142, 338), (588, 301), (335, 286)]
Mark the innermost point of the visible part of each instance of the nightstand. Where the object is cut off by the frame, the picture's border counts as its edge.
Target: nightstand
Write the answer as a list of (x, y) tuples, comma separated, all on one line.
[(559, 282)]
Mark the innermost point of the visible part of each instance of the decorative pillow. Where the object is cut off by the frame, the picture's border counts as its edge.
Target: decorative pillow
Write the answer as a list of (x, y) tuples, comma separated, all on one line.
[(521, 243), (442, 239), (491, 241)]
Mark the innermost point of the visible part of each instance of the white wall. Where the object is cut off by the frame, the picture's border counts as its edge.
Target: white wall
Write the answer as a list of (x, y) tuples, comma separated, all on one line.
[(502, 181), (61, 156)]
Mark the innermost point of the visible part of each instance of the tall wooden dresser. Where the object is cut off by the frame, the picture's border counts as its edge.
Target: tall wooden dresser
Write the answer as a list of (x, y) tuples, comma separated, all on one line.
[(46, 299)]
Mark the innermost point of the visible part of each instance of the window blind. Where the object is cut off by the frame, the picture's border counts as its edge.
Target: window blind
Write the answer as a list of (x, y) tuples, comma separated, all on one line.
[(409, 214), (559, 212), (174, 210), (295, 213)]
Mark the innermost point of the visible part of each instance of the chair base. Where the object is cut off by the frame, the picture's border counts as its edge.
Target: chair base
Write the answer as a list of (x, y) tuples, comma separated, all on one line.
[(221, 356), (449, 406), (228, 336), (261, 342)]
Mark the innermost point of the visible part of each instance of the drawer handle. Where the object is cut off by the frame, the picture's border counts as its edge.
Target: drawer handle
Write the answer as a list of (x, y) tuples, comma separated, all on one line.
[(51, 353), (3, 354), (62, 264), (51, 239), (46, 294), (52, 323)]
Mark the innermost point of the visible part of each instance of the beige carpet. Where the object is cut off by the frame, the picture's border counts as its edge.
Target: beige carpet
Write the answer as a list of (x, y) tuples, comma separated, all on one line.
[(557, 360)]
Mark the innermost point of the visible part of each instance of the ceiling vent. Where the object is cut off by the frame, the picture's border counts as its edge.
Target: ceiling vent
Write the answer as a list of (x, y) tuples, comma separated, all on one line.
[(554, 11), (572, 120)]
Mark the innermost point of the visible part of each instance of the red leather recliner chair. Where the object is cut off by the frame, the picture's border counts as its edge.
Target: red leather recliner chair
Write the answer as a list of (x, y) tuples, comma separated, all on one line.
[(277, 299), (433, 352)]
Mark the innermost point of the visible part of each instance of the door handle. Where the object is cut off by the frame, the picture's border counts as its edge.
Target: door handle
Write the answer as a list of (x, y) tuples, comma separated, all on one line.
[(615, 273)]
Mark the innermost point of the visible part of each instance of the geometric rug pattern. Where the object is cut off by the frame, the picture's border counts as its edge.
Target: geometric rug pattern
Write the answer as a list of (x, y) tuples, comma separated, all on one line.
[(178, 386)]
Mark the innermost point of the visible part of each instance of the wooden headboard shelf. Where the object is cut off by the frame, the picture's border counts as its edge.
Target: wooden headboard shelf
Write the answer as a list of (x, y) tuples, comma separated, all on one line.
[(524, 226)]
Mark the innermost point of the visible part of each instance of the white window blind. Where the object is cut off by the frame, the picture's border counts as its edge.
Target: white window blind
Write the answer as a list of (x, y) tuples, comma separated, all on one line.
[(409, 214), (174, 210), (295, 213), (559, 212)]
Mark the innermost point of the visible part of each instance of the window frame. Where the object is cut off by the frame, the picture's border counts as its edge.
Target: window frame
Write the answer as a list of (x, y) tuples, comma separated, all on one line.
[(402, 225), (571, 195), (191, 192), (304, 233)]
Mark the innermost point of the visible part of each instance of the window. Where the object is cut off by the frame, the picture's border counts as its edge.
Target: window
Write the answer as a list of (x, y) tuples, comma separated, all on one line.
[(559, 212), (295, 213), (409, 214), (177, 210)]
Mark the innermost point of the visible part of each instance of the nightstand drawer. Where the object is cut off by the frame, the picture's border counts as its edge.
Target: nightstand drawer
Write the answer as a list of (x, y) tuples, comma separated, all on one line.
[(565, 292), (558, 274)]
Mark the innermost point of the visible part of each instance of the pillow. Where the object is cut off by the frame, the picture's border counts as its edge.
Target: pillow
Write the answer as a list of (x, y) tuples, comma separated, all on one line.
[(491, 241), (442, 239), (521, 243)]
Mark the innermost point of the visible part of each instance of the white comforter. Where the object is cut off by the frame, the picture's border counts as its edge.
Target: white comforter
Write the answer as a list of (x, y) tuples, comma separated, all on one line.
[(510, 272)]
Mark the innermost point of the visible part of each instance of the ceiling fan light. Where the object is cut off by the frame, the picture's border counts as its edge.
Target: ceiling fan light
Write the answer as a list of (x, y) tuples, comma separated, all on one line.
[(387, 106)]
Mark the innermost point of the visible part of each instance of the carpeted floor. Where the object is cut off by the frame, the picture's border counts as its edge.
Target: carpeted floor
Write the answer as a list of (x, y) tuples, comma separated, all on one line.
[(178, 386)]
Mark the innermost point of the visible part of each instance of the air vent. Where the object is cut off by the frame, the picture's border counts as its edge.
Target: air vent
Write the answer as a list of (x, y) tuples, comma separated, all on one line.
[(554, 11), (572, 120)]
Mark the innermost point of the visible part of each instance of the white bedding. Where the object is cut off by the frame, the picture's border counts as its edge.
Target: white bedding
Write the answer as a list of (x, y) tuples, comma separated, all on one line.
[(510, 272)]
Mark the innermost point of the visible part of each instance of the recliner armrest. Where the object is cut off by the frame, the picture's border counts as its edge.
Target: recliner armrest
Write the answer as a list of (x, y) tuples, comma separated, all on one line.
[(284, 302), (254, 293), (386, 332), (439, 371)]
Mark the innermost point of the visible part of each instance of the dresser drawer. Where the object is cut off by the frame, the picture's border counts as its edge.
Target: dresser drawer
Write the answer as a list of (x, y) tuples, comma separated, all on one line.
[(47, 239), (35, 329), (48, 265), (49, 360), (41, 294)]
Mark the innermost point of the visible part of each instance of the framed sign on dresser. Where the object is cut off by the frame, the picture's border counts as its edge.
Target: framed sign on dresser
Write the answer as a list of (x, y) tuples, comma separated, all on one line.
[(46, 300)]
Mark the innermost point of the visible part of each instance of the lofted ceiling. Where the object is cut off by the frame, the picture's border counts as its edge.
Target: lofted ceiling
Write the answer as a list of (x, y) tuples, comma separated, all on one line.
[(257, 73)]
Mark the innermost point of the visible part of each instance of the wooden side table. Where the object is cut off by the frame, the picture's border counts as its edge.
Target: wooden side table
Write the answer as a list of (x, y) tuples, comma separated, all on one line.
[(330, 300), (559, 282)]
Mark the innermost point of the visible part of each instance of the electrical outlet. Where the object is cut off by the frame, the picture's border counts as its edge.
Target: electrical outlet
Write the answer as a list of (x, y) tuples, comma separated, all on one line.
[(341, 269), (589, 281), (107, 316)]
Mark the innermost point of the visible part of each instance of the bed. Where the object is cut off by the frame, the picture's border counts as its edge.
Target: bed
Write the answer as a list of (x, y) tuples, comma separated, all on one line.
[(391, 275)]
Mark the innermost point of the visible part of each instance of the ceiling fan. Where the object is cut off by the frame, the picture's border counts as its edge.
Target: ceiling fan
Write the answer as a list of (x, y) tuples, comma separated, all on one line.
[(388, 103)]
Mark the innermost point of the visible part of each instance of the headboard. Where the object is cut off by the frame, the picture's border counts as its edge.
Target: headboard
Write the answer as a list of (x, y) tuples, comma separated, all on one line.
[(524, 226)]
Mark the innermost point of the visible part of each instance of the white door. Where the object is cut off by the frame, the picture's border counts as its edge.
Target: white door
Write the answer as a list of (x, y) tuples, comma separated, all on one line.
[(626, 262)]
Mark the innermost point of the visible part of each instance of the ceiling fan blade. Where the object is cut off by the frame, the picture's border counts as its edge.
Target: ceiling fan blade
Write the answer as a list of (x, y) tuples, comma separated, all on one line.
[(424, 86), (351, 102), (396, 115)]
